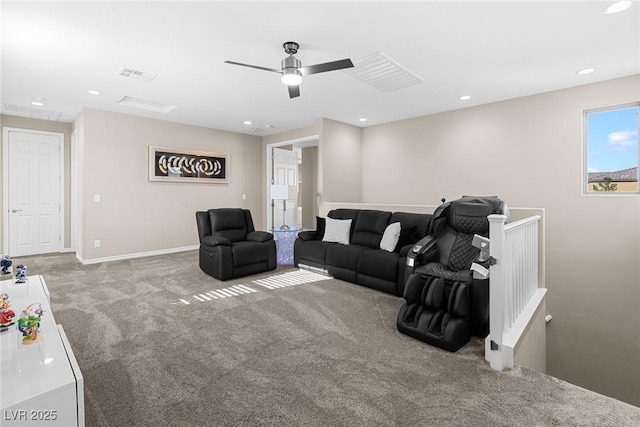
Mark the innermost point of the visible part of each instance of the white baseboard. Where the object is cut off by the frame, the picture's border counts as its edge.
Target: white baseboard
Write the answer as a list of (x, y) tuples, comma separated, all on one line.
[(135, 255)]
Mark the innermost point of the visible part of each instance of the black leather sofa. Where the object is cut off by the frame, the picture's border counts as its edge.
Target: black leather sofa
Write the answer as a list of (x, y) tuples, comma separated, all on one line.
[(230, 246), (362, 261)]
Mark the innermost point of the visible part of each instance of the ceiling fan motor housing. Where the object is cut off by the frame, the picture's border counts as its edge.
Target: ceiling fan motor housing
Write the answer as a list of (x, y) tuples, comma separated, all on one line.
[(291, 62)]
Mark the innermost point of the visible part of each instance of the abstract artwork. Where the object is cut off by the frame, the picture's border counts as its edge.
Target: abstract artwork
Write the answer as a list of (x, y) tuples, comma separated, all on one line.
[(179, 165)]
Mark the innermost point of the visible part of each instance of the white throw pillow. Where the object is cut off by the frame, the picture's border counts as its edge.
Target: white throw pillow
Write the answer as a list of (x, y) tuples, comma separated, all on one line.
[(337, 230), (390, 237)]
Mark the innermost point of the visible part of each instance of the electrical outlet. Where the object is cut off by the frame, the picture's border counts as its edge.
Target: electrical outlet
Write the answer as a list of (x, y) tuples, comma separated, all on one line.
[(96, 198), (96, 243), (244, 197)]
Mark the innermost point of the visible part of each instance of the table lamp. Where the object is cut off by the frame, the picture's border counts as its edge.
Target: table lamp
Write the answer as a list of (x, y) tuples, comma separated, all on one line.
[(284, 193)]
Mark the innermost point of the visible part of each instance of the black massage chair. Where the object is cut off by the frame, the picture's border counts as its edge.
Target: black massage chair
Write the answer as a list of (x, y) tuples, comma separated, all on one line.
[(445, 303)]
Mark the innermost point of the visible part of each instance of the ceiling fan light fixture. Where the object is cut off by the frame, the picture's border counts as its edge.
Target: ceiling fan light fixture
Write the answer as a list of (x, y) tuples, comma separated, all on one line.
[(291, 77)]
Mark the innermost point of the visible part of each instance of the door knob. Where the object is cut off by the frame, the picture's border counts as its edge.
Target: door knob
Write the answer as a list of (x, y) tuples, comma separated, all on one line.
[(16, 210)]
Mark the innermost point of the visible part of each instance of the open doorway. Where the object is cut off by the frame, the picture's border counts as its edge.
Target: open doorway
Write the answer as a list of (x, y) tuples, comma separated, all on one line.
[(292, 183)]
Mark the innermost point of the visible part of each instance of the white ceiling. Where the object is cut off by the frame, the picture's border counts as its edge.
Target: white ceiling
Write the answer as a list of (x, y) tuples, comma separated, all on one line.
[(491, 50)]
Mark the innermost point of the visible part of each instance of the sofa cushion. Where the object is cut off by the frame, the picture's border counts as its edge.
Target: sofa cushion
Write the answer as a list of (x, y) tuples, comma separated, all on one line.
[(307, 235), (408, 220), (406, 239), (345, 256), (337, 230), (390, 237), (369, 227), (344, 214), (320, 227), (379, 263), (313, 250), (229, 223), (245, 253)]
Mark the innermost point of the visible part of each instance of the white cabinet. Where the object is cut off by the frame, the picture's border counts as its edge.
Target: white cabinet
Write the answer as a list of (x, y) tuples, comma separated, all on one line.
[(41, 383)]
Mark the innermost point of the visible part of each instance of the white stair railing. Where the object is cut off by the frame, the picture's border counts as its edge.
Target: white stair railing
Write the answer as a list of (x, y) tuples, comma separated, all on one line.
[(514, 294)]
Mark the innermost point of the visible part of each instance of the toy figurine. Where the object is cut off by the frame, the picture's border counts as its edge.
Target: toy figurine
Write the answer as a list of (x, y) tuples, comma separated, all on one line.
[(29, 323), (21, 274), (5, 263), (6, 314)]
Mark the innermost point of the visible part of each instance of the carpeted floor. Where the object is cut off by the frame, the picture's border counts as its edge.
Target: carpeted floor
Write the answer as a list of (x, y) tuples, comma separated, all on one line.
[(157, 349)]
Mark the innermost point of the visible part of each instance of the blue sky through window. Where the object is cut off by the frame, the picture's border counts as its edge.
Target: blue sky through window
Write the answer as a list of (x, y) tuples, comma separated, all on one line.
[(612, 140)]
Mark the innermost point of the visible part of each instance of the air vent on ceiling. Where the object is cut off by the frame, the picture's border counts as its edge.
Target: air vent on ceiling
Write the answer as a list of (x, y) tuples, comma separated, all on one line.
[(34, 113), (136, 74), (383, 73), (142, 104)]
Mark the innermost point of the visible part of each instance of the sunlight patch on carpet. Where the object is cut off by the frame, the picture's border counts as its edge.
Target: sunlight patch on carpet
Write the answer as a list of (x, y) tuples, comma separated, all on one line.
[(291, 278)]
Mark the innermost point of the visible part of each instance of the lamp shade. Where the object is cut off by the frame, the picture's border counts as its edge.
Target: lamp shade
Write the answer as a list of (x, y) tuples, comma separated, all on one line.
[(292, 192), (284, 192), (279, 192)]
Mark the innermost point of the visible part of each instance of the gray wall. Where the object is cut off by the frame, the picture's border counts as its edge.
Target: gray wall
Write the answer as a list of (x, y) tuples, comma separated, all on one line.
[(309, 186), (529, 152), (340, 162), (136, 215)]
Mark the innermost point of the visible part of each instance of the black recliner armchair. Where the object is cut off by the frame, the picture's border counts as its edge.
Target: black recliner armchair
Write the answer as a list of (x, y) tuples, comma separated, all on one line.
[(229, 245), (445, 303)]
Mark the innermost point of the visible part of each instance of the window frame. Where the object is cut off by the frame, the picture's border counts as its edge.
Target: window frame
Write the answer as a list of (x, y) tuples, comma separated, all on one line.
[(585, 150)]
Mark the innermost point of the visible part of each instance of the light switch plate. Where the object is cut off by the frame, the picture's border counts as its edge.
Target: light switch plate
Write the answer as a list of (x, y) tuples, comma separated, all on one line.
[(96, 198)]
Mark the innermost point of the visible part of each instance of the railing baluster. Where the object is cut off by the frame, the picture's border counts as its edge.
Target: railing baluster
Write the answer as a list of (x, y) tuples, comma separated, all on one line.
[(514, 280)]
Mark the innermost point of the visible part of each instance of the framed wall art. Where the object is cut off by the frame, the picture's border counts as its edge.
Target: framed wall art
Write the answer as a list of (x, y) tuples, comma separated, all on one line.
[(180, 165)]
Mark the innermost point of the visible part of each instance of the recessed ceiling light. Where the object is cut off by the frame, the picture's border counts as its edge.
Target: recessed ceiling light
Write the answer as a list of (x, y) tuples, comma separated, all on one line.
[(269, 126), (363, 119), (465, 97), (585, 71), (618, 6), (39, 102), (94, 92), (247, 122)]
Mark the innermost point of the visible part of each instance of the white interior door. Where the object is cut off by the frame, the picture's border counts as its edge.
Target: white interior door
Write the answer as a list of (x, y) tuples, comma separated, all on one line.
[(34, 193), (285, 172)]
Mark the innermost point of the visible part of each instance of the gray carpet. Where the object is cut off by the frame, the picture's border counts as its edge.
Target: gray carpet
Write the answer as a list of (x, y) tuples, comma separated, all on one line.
[(319, 353)]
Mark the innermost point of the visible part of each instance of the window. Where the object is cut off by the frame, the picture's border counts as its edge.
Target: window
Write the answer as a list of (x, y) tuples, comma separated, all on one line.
[(611, 150)]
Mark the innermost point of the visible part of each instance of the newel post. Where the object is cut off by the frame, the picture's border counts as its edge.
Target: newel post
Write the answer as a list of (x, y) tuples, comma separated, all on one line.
[(494, 349)]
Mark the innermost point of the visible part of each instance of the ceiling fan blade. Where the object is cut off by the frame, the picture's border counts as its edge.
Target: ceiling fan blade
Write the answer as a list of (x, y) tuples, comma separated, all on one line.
[(327, 66), (294, 91), (254, 66)]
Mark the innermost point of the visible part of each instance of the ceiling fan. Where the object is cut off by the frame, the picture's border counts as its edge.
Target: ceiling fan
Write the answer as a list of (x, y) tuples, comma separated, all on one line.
[(292, 69)]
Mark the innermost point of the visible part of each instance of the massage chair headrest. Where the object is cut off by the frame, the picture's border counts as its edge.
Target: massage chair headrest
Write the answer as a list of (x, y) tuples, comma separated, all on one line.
[(468, 214)]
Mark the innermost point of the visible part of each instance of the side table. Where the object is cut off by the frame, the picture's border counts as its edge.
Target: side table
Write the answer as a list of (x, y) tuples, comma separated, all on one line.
[(285, 240)]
